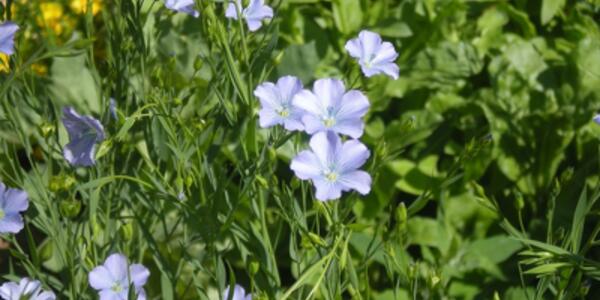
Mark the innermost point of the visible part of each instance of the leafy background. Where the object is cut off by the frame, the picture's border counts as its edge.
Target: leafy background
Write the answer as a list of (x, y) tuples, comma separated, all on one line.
[(484, 155)]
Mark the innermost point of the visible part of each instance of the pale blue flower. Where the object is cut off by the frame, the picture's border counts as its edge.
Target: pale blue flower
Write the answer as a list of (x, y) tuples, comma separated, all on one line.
[(330, 108), (238, 293), (597, 119), (254, 13), (12, 203), (374, 56), (332, 166), (84, 132), (7, 37), (184, 6), (113, 279), (276, 103), (25, 289)]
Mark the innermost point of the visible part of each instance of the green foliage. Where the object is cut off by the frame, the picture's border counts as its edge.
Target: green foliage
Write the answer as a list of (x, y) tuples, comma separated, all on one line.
[(483, 153)]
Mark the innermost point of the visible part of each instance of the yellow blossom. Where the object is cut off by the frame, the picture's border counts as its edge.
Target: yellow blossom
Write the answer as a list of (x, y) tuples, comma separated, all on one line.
[(80, 6), (4, 67), (52, 14)]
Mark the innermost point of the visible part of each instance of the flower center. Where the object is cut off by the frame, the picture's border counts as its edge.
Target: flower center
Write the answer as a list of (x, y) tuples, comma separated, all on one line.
[(329, 122), (284, 112), (331, 176), (117, 288)]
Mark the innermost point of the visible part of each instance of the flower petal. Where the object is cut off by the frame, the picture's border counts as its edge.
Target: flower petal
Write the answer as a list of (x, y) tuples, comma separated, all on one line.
[(325, 146), (139, 275), (312, 124), (306, 165), (232, 11), (238, 293), (386, 54), (15, 201), (81, 151), (184, 6), (354, 48), (8, 290), (29, 287), (329, 91), (357, 180), (100, 278), (309, 102), (268, 95), (46, 296), (370, 41), (288, 87), (390, 69), (268, 117), (327, 190), (108, 294), (7, 36), (354, 154), (116, 264), (293, 122), (353, 128), (12, 223), (354, 105)]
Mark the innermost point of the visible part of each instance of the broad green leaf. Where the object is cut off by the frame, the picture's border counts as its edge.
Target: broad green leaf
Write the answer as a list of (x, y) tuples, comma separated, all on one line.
[(550, 8)]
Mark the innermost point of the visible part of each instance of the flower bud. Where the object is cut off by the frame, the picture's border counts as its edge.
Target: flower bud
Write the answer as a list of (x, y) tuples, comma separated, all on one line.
[(253, 267), (70, 208)]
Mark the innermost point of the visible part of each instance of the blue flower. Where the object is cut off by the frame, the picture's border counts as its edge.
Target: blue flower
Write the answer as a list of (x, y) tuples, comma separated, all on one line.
[(12, 202), (184, 6), (330, 108), (238, 293), (7, 37), (332, 166), (25, 289), (373, 56), (84, 132), (597, 119), (113, 279), (254, 13), (276, 102)]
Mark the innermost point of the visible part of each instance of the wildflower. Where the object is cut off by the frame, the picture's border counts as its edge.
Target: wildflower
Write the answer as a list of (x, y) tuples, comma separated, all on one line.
[(254, 13), (276, 102), (80, 6), (332, 166), (7, 37), (115, 276), (26, 289), (12, 202), (330, 108), (4, 67), (84, 133), (597, 119), (238, 293), (53, 17), (375, 57), (184, 6)]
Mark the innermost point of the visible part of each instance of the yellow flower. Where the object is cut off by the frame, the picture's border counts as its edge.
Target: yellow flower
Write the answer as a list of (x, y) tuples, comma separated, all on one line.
[(80, 6), (52, 13), (4, 67)]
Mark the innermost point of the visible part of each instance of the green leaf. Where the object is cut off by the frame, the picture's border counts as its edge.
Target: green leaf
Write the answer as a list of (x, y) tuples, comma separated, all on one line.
[(347, 15), (73, 83), (550, 8)]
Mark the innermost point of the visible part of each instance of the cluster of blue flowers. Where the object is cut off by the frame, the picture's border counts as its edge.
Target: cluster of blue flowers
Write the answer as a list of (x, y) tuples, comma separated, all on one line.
[(327, 112)]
